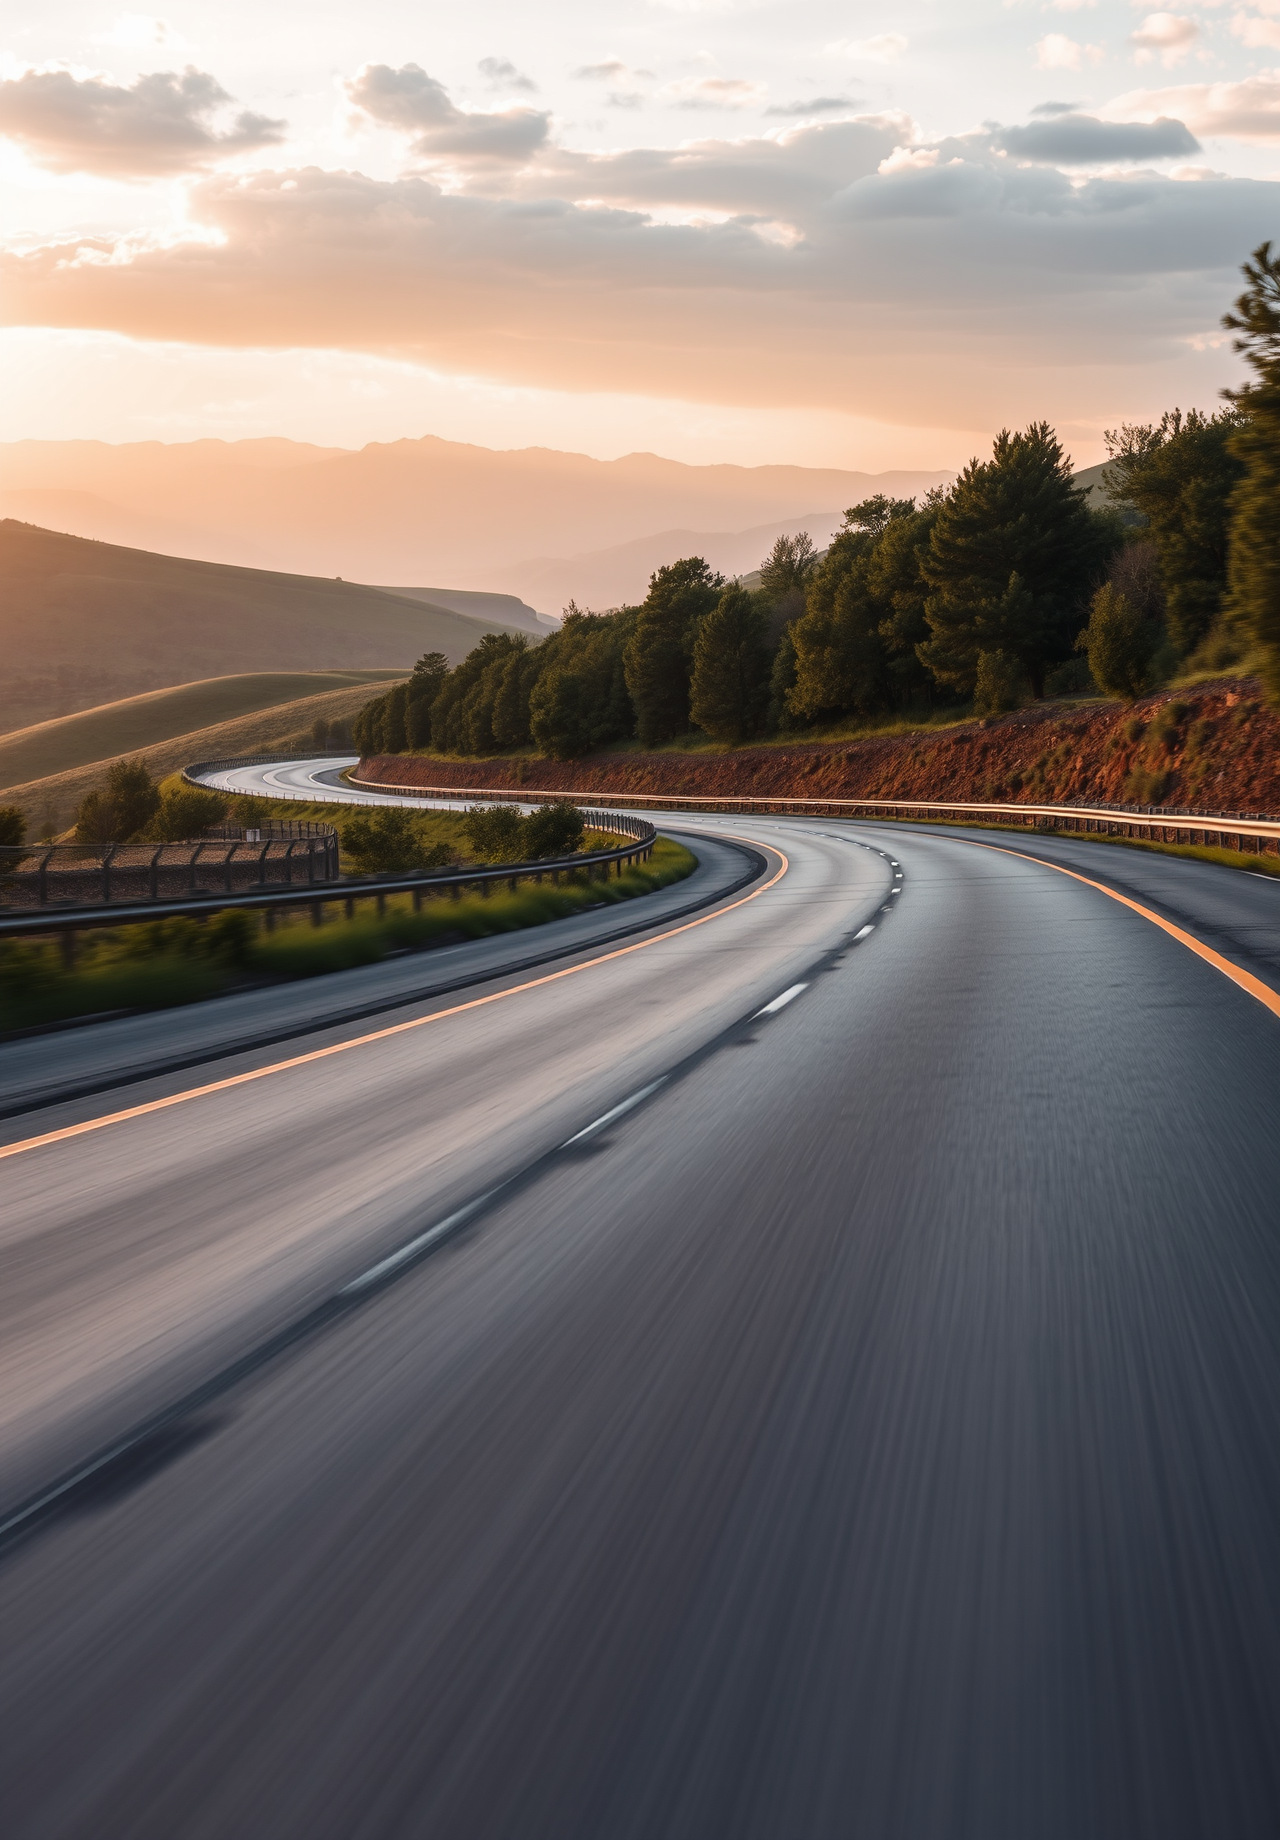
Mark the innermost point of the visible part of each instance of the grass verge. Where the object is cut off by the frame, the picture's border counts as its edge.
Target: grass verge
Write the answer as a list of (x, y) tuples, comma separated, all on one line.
[(157, 964), (1227, 859)]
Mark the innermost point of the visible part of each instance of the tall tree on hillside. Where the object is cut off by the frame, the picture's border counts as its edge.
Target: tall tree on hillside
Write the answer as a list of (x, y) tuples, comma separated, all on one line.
[(729, 691), (895, 580), (425, 686), (580, 700), (454, 725), (127, 801), (1255, 526), (660, 649), (1013, 556), (840, 661), (1179, 474)]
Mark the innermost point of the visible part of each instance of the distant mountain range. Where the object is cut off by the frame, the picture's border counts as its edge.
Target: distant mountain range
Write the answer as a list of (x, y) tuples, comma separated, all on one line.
[(542, 525)]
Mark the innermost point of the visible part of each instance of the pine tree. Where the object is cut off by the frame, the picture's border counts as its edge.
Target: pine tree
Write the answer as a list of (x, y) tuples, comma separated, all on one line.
[(1254, 567), (661, 646), (1012, 558), (730, 684)]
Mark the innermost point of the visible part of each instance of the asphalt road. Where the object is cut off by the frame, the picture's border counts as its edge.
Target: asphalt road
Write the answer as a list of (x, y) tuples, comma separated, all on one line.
[(875, 1431)]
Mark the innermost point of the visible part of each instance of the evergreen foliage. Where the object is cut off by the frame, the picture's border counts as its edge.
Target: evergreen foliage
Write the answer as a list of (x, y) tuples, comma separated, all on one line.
[(840, 658), (661, 645), (388, 839), (999, 684), (1012, 557), (1179, 474), (1121, 643), (729, 689), (127, 802), (13, 826), (1255, 444)]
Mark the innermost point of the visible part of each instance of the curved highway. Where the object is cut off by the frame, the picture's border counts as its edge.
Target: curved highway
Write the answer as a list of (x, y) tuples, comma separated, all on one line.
[(807, 1369)]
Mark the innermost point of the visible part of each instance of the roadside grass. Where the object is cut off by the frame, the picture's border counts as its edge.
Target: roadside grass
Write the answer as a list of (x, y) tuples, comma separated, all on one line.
[(158, 964), (1261, 864)]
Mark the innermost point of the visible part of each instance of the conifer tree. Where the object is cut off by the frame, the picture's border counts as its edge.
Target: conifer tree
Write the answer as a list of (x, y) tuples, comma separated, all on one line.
[(730, 684), (1254, 567), (1012, 558), (660, 648)]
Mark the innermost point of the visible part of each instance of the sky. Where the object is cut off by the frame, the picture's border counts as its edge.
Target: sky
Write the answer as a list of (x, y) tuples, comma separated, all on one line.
[(833, 234)]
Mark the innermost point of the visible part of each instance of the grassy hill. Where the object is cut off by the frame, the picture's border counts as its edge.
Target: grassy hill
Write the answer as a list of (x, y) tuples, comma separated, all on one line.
[(83, 623), (53, 798), (138, 722)]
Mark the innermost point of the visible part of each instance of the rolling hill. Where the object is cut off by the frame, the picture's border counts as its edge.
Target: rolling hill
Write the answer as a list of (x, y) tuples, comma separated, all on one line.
[(139, 722), (53, 798), (84, 623)]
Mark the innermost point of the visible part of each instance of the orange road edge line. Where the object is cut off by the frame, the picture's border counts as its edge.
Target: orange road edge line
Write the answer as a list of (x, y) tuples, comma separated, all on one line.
[(1244, 979), (395, 1028)]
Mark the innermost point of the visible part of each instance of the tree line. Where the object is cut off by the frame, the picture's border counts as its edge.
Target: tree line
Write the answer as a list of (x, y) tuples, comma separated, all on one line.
[(1007, 585)]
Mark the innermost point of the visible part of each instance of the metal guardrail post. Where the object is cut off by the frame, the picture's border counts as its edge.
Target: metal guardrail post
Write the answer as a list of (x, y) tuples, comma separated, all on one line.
[(106, 871), (153, 873)]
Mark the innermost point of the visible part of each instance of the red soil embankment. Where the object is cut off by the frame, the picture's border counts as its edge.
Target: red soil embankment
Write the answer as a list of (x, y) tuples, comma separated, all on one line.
[(1215, 748)]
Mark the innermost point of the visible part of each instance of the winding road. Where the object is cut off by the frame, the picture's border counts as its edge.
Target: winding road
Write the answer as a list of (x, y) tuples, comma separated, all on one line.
[(806, 1368)]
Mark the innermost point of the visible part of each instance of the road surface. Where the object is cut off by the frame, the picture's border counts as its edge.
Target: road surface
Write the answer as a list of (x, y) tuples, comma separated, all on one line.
[(873, 1430)]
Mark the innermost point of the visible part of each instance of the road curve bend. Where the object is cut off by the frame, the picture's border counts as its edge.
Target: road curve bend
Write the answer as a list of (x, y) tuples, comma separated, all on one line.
[(842, 1395)]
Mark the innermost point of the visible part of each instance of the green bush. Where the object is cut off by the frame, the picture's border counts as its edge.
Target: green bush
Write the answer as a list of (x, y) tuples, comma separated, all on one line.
[(13, 825), (184, 811), (554, 830), (389, 839), (1001, 684), (496, 833), (1121, 644)]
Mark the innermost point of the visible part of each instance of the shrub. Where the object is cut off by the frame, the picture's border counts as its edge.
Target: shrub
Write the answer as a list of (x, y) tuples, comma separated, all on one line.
[(127, 802), (496, 833), (13, 825), (390, 839), (1121, 643), (554, 830), (184, 811), (1168, 723), (1134, 729), (1145, 786), (1000, 684)]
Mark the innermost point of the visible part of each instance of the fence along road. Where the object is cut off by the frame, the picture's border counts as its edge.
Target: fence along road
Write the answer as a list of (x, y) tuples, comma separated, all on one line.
[(873, 1428)]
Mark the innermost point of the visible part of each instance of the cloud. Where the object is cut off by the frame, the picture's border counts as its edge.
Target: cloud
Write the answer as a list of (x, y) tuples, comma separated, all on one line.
[(1245, 111), (141, 32), (1055, 51), (1256, 32), (1083, 140), (608, 72), (1056, 108), (715, 93), (814, 105), (163, 123), (960, 286), (417, 104), (884, 48), (1167, 35), (502, 74)]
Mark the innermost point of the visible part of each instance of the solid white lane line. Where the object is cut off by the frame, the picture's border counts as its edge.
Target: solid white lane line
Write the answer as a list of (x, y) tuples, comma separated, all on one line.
[(862, 935), (781, 1002), (627, 1105)]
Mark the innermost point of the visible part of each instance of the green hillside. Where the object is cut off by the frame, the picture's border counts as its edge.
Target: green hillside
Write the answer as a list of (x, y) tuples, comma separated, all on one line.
[(52, 798), (85, 623)]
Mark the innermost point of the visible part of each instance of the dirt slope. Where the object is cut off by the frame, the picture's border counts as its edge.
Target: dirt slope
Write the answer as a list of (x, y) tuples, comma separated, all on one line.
[(1214, 747)]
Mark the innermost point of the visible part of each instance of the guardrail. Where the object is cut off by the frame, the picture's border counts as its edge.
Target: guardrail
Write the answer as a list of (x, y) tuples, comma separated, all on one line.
[(33, 875), (420, 884), (1151, 823)]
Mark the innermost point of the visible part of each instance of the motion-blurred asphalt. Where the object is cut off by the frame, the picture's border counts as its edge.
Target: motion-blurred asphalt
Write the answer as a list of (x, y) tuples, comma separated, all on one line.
[(875, 1434)]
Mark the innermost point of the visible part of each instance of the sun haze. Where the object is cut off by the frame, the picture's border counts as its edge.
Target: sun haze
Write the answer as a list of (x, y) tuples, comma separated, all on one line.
[(713, 229)]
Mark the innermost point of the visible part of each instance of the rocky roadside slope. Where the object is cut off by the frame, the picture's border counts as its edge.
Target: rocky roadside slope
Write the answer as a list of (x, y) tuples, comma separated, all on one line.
[(1215, 747)]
